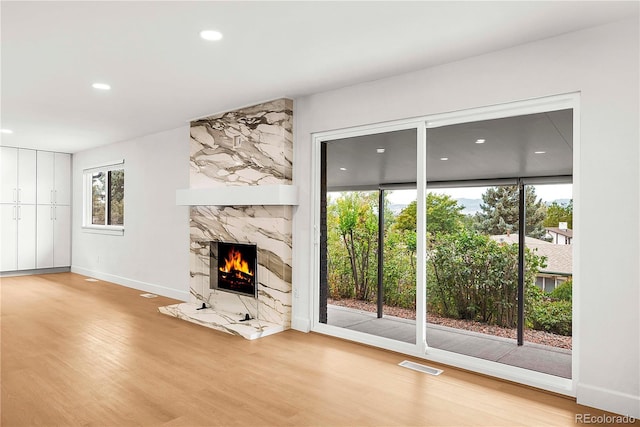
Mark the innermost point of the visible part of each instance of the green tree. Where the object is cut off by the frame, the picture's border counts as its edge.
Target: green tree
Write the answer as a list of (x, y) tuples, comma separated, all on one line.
[(116, 197), (500, 212), (443, 215), (557, 213), (354, 215), (98, 198), (399, 277)]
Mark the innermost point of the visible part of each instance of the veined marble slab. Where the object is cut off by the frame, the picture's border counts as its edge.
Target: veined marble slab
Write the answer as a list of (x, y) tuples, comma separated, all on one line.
[(250, 146), (244, 155), (222, 321)]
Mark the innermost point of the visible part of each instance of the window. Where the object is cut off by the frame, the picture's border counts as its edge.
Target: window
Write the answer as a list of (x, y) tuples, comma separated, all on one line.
[(549, 284), (104, 197)]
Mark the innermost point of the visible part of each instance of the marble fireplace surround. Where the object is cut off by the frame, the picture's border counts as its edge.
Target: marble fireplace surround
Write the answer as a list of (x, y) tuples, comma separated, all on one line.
[(240, 191)]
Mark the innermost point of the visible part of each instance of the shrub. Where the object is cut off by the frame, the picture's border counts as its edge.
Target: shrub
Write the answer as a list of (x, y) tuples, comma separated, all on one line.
[(563, 292), (552, 316), (473, 277)]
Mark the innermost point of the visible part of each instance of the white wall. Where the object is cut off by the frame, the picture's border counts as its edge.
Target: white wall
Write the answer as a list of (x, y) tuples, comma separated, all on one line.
[(601, 63), (153, 253)]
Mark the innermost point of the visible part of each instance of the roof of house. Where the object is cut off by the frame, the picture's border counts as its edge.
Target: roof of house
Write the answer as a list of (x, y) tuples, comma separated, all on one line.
[(559, 257), (513, 238), (564, 232)]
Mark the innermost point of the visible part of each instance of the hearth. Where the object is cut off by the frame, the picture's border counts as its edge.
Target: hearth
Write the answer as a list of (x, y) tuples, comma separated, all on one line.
[(234, 267)]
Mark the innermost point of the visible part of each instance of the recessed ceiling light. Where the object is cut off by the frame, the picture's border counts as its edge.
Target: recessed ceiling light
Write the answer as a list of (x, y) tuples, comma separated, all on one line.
[(211, 35), (444, 158), (343, 169), (7, 131), (480, 141), (539, 152), (101, 86), (379, 150)]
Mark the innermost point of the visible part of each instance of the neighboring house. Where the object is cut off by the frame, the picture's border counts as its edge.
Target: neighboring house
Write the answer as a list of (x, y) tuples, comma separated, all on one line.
[(560, 235), (559, 260)]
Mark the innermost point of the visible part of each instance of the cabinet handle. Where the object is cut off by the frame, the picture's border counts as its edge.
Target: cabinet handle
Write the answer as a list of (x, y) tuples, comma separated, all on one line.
[(19, 194), (55, 213), (14, 213), (19, 213), (51, 196), (15, 195), (51, 213)]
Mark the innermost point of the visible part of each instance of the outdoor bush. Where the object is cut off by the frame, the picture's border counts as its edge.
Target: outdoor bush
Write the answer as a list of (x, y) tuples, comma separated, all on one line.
[(563, 291), (552, 316), (400, 269), (475, 278)]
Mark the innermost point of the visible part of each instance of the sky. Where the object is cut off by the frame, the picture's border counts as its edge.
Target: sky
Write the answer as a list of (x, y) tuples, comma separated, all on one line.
[(548, 193)]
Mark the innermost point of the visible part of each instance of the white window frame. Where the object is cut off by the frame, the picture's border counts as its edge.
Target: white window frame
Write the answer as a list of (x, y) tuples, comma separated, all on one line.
[(87, 208), (421, 349)]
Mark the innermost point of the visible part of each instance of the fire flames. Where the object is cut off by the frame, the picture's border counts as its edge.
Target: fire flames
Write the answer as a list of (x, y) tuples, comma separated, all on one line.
[(235, 263)]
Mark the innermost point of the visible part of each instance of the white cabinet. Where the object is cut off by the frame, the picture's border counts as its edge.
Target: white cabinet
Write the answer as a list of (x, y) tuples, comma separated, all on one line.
[(62, 236), (35, 211), (54, 210), (18, 228), (9, 237), (54, 178), (9, 168), (26, 237), (18, 175), (53, 236)]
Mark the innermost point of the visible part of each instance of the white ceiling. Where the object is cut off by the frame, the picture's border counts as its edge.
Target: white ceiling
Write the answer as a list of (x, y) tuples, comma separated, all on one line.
[(162, 74)]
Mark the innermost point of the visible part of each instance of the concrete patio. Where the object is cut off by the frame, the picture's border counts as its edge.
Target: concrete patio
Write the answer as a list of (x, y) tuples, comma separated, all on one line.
[(540, 358)]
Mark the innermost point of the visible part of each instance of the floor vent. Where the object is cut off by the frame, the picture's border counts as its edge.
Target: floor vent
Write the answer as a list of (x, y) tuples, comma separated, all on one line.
[(148, 295), (91, 280), (422, 368)]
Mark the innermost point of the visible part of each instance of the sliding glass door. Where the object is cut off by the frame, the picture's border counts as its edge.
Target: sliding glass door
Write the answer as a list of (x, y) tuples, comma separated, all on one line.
[(450, 237), (368, 235)]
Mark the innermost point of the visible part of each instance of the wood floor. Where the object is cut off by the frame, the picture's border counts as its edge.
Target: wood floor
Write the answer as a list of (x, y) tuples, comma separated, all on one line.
[(96, 354)]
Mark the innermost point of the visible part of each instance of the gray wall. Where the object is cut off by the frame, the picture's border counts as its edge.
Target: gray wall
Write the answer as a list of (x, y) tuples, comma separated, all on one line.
[(153, 253)]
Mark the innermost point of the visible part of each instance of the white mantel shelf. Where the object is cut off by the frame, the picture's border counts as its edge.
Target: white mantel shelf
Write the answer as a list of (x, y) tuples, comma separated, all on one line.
[(280, 195)]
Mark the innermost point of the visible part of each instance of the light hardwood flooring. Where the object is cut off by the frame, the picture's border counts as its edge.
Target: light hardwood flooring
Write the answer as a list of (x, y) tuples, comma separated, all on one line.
[(97, 354)]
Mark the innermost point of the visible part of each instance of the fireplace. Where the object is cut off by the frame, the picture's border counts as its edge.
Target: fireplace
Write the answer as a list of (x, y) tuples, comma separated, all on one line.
[(234, 268)]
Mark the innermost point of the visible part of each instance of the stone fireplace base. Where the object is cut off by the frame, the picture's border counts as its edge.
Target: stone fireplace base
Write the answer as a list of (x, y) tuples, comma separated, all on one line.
[(222, 321)]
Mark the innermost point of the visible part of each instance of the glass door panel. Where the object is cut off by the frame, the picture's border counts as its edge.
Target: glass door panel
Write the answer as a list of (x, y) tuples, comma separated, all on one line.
[(368, 235), (489, 279)]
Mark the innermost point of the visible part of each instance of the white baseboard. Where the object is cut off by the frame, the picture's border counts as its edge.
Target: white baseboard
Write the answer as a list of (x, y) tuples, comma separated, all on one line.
[(301, 324), (135, 284), (608, 400)]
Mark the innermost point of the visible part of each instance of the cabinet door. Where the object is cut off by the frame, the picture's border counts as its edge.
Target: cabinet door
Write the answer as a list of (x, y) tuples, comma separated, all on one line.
[(45, 177), (9, 169), (8, 237), (27, 236), (27, 177), (62, 180), (44, 233), (62, 236)]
